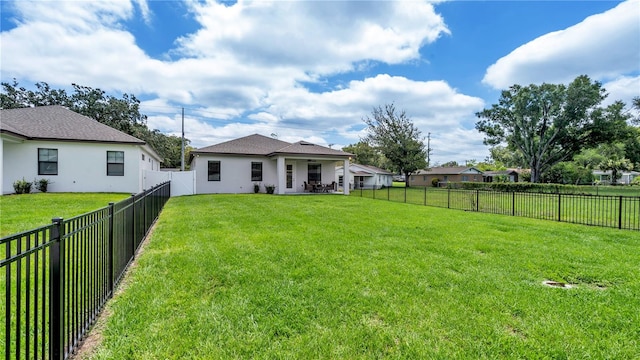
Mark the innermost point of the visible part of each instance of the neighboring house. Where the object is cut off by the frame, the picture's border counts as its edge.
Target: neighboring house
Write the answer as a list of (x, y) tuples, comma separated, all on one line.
[(236, 166), (445, 175), (364, 177), (511, 175), (604, 177), (74, 152)]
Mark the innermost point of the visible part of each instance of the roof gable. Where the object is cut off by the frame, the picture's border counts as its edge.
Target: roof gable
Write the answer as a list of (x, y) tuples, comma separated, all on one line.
[(249, 145), (59, 123), (257, 144)]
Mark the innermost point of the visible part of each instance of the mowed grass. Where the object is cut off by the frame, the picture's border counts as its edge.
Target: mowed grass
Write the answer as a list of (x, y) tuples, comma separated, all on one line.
[(28, 211), (338, 277)]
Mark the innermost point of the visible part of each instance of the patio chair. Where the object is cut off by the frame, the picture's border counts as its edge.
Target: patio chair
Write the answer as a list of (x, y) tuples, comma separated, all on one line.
[(308, 187)]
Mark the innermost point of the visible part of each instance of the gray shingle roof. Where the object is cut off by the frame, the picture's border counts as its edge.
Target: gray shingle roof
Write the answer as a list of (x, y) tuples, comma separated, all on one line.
[(262, 145), (58, 123)]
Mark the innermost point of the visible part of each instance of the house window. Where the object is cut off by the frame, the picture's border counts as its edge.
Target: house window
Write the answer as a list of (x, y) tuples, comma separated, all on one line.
[(47, 161), (314, 174), (143, 157), (465, 178), (340, 180), (256, 171), (115, 163), (213, 170)]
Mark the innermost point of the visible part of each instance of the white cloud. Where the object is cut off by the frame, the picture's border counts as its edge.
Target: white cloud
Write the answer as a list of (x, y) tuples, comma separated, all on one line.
[(322, 37), (603, 46), (624, 88)]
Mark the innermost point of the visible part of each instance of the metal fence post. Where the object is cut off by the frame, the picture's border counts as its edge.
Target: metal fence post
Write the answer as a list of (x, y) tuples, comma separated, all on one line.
[(559, 207), (425, 195), (56, 293), (133, 226), (620, 212), (110, 265), (513, 204), (388, 193), (477, 200), (448, 198)]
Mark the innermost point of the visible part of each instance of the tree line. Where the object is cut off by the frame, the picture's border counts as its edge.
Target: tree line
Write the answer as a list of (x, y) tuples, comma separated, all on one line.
[(560, 133), (119, 113)]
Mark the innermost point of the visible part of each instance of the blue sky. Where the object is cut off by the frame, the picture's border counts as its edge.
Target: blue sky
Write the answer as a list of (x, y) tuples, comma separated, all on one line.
[(311, 70)]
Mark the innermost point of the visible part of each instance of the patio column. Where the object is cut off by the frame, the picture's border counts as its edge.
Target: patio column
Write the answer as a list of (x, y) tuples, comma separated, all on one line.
[(345, 177), (281, 175)]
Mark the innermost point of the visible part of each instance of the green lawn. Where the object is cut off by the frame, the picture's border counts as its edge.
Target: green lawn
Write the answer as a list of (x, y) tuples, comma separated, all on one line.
[(339, 277), (24, 212)]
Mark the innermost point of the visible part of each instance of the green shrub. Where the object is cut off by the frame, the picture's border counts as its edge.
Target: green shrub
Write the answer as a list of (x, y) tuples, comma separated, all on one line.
[(636, 181), (435, 182), (22, 186), (42, 185)]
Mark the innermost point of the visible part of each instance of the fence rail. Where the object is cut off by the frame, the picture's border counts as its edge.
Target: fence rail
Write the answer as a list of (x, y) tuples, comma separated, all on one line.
[(57, 278), (621, 212)]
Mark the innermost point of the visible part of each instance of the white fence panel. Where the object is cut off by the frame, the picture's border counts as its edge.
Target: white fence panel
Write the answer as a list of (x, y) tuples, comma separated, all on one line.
[(182, 182)]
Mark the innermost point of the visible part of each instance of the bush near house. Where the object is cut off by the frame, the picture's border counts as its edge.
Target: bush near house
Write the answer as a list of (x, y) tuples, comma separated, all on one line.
[(22, 186)]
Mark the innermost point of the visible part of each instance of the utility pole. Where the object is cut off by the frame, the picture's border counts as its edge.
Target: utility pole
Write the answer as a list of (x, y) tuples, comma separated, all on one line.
[(182, 145), (428, 149)]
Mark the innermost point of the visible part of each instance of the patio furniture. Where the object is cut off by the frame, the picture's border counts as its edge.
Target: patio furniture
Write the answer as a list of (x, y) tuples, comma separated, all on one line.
[(308, 187)]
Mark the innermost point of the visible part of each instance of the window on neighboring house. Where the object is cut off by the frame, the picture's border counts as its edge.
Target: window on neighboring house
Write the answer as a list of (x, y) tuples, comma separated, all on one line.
[(314, 174), (340, 180), (465, 178), (143, 157), (213, 171), (256, 171), (47, 161), (115, 163)]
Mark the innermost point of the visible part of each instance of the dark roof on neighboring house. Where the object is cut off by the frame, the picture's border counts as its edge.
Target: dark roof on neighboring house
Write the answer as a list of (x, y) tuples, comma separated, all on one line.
[(266, 146), (453, 170), (59, 123)]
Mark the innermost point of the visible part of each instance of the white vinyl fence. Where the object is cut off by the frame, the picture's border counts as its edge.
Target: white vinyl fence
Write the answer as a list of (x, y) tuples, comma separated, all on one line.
[(182, 182)]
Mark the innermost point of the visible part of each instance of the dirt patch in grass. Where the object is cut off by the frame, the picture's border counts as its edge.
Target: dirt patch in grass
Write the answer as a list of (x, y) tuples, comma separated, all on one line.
[(557, 284)]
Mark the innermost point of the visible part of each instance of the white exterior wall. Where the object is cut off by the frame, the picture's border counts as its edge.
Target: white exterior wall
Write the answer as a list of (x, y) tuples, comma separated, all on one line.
[(370, 181), (235, 174), (82, 167)]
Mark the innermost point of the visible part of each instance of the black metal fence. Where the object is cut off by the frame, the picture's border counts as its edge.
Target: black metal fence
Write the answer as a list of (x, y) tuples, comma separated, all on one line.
[(58, 277), (622, 212)]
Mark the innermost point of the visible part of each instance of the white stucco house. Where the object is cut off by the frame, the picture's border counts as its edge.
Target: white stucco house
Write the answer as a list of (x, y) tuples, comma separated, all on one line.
[(237, 165), (364, 177), (74, 152)]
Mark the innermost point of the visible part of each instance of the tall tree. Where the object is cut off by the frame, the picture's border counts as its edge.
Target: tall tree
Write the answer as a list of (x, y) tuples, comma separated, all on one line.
[(550, 123), (366, 154), (395, 136)]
